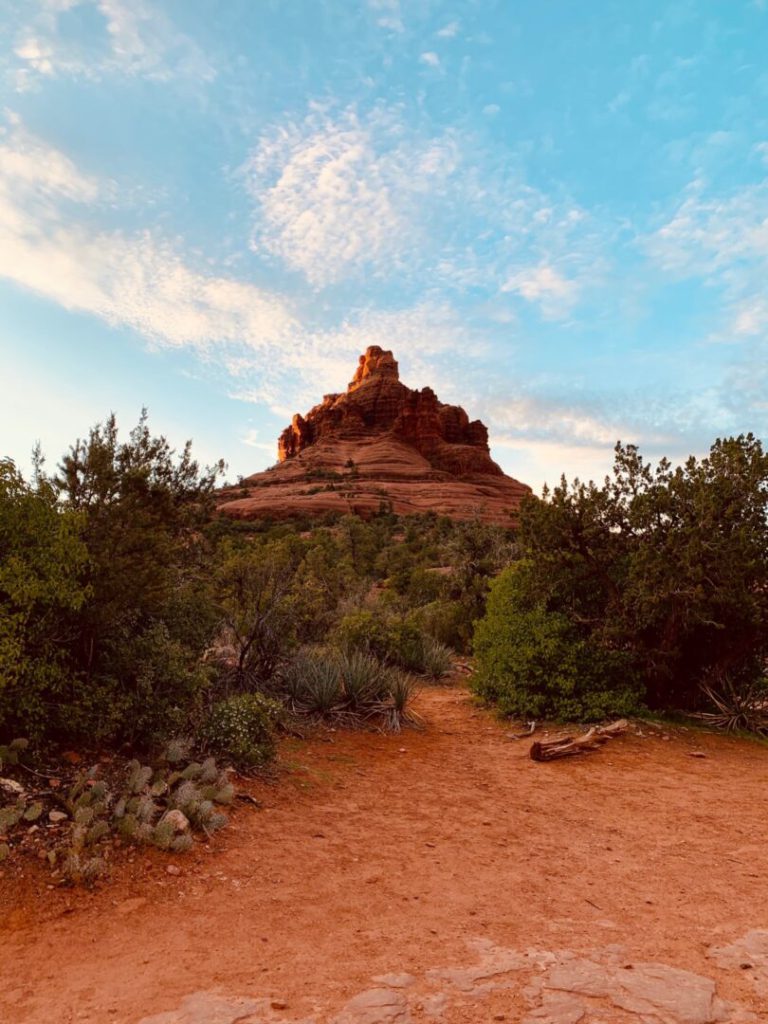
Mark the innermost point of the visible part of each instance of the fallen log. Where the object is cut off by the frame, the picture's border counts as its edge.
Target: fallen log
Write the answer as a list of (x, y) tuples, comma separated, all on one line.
[(569, 746)]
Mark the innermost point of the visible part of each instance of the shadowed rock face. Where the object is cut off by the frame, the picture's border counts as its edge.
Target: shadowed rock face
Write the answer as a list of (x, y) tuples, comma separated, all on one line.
[(381, 442)]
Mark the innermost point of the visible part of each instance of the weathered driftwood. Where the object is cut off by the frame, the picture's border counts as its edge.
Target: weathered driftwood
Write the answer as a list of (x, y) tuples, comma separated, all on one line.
[(523, 735), (568, 746)]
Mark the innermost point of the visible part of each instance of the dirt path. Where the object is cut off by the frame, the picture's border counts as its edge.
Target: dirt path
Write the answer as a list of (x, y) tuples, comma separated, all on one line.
[(438, 875)]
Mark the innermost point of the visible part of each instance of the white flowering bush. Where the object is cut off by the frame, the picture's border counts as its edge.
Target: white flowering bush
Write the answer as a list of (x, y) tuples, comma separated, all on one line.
[(241, 729)]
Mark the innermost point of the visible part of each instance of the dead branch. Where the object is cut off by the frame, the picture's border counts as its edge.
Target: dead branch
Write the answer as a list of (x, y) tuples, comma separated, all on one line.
[(523, 735), (569, 746)]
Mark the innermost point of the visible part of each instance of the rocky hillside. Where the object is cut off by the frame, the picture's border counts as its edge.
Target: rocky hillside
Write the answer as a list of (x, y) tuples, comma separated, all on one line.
[(380, 444)]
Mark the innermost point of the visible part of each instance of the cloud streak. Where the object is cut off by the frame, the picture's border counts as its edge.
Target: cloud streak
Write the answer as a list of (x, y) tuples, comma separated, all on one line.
[(135, 38)]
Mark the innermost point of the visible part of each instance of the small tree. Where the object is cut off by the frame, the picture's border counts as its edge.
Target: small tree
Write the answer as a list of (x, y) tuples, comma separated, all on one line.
[(667, 567), (42, 568), (133, 651)]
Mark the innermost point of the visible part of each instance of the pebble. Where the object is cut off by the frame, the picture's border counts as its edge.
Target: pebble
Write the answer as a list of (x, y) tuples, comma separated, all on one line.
[(178, 821), (57, 816), (172, 869)]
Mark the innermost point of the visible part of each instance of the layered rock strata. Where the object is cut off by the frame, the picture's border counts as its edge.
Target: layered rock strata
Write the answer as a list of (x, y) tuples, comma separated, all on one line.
[(380, 444)]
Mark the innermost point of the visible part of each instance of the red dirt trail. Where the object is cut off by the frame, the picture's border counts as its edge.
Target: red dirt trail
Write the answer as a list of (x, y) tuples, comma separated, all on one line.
[(378, 855)]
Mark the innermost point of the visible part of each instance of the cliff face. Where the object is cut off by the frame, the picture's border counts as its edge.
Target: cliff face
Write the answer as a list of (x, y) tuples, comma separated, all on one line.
[(377, 403), (379, 443)]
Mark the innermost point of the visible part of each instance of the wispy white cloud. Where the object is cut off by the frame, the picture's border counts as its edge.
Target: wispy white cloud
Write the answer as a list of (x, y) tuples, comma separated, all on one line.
[(388, 14), (430, 58), (449, 31), (27, 164), (137, 38), (540, 436), (322, 359), (344, 196), (335, 194), (144, 282), (722, 240), (139, 281), (545, 287)]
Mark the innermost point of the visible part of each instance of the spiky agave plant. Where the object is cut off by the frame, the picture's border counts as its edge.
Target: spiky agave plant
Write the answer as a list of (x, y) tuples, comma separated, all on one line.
[(437, 659), (364, 680), (736, 707), (312, 684), (395, 709)]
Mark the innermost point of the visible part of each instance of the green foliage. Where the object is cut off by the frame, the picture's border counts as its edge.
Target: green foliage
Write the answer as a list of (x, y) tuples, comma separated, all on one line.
[(311, 683), (134, 653), (532, 664), (394, 641), (241, 728), (658, 577), (42, 562), (351, 684), (126, 609)]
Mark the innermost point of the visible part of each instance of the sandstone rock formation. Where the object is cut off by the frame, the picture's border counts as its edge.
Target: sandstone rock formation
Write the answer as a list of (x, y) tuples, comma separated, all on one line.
[(378, 445)]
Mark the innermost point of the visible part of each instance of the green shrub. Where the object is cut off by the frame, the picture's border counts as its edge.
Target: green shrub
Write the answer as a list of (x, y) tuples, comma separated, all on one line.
[(667, 564), (363, 678), (394, 641), (311, 683), (241, 728), (449, 622), (532, 664), (350, 684), (436, 658)]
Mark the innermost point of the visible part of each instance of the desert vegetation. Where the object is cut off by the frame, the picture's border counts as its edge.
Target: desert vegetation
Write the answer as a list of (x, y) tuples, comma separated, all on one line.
[(650, 590), (132, 617), (169, 644)]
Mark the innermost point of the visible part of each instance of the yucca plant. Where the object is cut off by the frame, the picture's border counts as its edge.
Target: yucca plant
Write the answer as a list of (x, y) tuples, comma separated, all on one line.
[(437, 659), (736, 707), (312, 683), (363, 678)]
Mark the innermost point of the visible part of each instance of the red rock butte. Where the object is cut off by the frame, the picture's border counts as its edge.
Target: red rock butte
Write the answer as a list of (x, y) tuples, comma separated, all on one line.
[(380, 445)]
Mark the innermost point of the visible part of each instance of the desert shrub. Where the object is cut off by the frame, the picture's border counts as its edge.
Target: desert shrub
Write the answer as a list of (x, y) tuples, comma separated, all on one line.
[(241, 728), (351, 684), (161, 694), (733, 704), (436, 658), (42, 588), (533, 664), (668, 566), (394, 640), (364, 680), (311, 683), (401, 690), (98, 568), (448, 622)]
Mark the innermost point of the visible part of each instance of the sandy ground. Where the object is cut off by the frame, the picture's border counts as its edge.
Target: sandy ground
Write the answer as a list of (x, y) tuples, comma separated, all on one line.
[(406, 855)]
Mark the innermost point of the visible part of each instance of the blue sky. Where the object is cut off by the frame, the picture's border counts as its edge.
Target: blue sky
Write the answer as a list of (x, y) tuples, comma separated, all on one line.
[(553, 213)]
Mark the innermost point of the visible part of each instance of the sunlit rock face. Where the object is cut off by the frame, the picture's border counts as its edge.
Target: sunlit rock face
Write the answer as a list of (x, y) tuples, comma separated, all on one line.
[(381, 444)]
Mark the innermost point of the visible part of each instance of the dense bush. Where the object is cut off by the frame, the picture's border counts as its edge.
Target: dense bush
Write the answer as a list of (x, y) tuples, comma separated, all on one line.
[(658, 577), (395, 641), (241, 729), (127, 607), (533, 664), (42, 586)]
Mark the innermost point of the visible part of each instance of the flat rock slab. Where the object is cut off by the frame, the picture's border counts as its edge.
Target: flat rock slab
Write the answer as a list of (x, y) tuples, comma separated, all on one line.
[(375, 1006), (209, 1008), (655, 991), (748, 954)]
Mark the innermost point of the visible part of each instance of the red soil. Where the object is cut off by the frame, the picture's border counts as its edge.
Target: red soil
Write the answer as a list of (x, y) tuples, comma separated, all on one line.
[(378, 854)]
